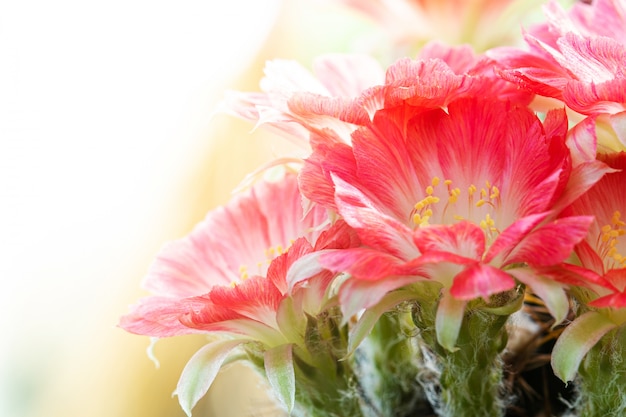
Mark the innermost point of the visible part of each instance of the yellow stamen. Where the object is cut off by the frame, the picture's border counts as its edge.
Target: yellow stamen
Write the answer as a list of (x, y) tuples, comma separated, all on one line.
[(608, 239)]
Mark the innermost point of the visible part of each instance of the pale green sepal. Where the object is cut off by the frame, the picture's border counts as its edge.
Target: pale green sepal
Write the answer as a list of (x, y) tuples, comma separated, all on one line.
[(291, 320), (576, 340), (448, 321), (509, 308), (550, 291), (150, 351), (281, 375), (200, 372), (370, 317)]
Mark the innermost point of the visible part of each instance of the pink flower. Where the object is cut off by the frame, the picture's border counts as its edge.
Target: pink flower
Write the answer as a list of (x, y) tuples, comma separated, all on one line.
[(457, 197), (331, 92), (603, 251), (578, 58), (229, 273), (349, 89), (599, 283)]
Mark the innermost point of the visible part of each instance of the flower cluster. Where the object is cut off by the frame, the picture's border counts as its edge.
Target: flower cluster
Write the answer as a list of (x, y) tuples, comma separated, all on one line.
[(391, 270)]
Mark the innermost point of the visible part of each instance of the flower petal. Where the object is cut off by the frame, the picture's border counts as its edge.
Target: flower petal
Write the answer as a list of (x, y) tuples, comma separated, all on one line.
[(511, 237), (376, 229), (582, 141), (480, 280), (161, 316), (280, 373), (562, 234), (200, 372), (356, 295), (241, 234), (363, 263), (256, 298), (576, 340), (450, 313), (551, 292), (463, 238), (370, 317), (348, 75), (330, 155)]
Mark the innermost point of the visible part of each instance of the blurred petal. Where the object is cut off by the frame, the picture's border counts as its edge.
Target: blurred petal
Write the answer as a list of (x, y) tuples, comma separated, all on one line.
[(280, 373), (200, 372), (576, 340)]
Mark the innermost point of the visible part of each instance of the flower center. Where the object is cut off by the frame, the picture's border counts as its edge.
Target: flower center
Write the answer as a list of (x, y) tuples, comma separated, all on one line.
[(444, 198), (261, 267), (608, 240)]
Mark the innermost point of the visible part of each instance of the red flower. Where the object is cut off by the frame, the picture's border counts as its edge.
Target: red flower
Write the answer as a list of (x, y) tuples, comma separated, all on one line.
[(453, 196), (603, 252)]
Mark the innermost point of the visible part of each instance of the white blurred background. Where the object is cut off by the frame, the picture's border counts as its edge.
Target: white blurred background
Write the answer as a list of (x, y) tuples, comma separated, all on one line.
[(107, 150)]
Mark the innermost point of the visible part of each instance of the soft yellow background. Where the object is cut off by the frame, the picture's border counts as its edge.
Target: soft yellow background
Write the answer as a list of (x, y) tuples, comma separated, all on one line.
[(107, 150)]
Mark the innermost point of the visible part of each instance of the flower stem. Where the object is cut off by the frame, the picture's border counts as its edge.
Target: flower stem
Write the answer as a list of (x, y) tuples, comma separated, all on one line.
[(387, 367), (327, 386), (470, 380)]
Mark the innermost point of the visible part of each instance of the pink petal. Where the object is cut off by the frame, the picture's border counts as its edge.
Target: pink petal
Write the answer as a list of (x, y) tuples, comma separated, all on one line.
[(552, 243), (329, 155), (460, 59), (480, 280), (348, 75), (338, 236), (584, 176), (579, 276), (356, 294), (617, 277), (592, 99), (429, 83), (336, 113), (256, 298), (383, 147), (511, 236), (582, 141), (161, 316), (277, 271), (615, 300), (589, 257), (462, 238), (362, 263), (375, 229), (267, 216), (591, 59)]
